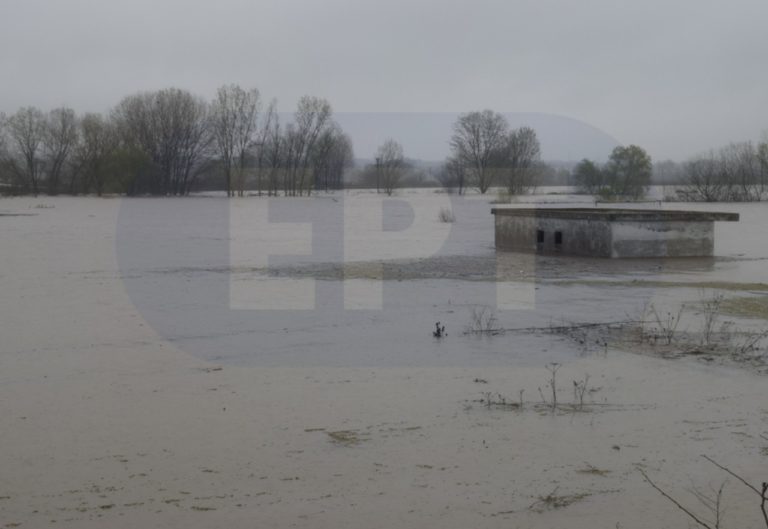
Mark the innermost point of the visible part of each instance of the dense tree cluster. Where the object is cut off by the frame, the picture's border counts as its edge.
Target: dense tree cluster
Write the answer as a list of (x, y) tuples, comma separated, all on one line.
[(626, 175), (168, 141)]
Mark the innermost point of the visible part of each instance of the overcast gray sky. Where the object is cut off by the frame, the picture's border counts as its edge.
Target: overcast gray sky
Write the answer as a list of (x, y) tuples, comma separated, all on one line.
[(676, 77)]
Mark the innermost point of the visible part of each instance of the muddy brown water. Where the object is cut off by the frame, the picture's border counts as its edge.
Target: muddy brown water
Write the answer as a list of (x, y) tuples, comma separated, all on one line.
[(186, 263)]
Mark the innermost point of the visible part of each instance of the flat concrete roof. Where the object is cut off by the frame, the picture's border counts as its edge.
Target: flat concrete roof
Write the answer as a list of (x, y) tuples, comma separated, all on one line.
[(645, 215)]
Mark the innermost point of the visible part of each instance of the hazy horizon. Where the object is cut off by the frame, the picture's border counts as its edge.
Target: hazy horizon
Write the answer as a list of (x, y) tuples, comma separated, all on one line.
[(676, 79)]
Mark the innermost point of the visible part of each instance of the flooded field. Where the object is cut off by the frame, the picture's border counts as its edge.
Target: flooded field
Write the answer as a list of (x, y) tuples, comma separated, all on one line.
[(270, 363), (348, 280)]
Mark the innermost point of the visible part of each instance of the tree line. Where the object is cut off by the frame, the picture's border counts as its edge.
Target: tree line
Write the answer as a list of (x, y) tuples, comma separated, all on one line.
[(165, 142), (737, 172), (170, 142)]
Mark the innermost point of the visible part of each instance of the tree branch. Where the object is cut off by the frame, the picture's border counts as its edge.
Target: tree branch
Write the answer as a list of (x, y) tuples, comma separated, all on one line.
[(673, 500), (762, 493), (732, 473)]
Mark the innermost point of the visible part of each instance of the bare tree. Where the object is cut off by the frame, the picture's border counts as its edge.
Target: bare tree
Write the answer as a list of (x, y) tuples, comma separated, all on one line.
[(312, 116), (5, 172), (341, 159), (736, 172), (390, 165), (189, 135), (59, 142), (762, 158), (26, 129), (262, 144), (98, 141), (333, 155), (171, 127), (740, 167), (521, 166), (478, 142), (291, 149), (321, 155), (704, 179), (274, 155), (452, 174), (234, 115)]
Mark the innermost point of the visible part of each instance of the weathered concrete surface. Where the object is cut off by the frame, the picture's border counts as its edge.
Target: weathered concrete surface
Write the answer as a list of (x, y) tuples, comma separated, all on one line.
[(662, 239), (608, 232), (579, 237)]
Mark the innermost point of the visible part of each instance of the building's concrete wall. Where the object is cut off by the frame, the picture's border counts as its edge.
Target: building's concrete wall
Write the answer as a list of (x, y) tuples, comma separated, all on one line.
[(662, 239), (579, 237), (604, 238)]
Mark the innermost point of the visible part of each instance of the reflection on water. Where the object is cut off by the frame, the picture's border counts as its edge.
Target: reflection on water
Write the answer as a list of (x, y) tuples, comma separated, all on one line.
[(182, 263)]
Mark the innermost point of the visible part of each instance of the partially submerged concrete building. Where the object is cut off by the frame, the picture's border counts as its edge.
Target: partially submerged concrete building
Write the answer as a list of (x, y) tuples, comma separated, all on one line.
[(598, 232)]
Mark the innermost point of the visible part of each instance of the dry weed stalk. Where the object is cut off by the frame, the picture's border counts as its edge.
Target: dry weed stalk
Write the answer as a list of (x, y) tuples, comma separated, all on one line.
[(579, 389), (482, 320), (667, 324), (711, 308), (552, 368), (446, 215)]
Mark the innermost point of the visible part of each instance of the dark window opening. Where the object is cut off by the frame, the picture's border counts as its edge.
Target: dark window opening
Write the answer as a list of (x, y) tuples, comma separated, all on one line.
[(540, 236), (558, 237)]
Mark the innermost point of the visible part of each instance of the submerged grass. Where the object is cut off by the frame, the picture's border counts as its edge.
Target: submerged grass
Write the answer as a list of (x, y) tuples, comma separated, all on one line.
[(346, 437), (557, 501), (749, 307), (715, 285), (593, 471)]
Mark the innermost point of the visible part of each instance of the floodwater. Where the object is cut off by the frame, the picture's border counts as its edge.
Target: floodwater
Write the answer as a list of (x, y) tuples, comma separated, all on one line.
[(203, 362), (347, 279)]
